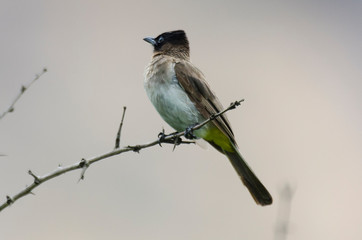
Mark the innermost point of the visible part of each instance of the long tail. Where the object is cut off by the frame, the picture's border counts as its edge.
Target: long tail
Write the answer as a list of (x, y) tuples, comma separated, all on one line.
[(255, 187)]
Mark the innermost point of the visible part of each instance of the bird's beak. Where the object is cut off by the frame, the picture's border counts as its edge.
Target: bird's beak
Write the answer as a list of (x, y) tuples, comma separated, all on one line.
[(150, 40)]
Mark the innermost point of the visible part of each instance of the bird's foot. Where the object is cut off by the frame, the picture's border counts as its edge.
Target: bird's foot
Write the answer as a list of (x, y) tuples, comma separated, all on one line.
[(189, 132), (161, 137), (177, 141)]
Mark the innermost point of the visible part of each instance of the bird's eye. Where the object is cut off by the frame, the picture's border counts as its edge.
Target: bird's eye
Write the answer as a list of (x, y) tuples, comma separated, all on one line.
[(160, 40)]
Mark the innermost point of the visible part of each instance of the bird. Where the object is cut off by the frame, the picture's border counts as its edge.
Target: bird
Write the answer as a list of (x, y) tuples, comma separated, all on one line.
[(179, 92)]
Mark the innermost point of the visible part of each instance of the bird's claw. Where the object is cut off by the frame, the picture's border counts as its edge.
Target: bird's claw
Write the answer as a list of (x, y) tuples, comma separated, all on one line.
[(161, 137), (177, 141), (189, 133)]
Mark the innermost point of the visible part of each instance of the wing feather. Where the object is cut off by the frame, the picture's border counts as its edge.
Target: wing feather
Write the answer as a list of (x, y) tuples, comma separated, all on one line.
[(193, 82)]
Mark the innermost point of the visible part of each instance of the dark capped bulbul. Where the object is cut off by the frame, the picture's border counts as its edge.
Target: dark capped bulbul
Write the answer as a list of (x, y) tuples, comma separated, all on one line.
[(182, 97)]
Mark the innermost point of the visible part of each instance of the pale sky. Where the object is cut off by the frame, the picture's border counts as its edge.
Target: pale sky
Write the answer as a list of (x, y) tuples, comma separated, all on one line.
[(297, 64)]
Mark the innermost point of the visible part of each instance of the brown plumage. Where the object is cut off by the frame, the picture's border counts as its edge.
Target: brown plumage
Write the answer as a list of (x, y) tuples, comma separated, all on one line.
[(183, 98)]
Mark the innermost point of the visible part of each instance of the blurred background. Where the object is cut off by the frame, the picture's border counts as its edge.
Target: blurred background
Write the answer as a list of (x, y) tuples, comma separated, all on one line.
[(296, 63)]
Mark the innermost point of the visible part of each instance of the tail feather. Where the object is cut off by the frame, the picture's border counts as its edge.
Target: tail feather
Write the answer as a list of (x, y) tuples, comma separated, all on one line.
[(255, 187)]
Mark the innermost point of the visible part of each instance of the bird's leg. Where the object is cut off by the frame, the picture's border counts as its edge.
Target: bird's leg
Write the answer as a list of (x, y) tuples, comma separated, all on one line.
[(189, 132)]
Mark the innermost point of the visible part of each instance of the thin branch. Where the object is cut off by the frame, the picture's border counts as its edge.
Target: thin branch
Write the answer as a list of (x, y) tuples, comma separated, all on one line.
[(118, 139), (22, 91), (84, 164)]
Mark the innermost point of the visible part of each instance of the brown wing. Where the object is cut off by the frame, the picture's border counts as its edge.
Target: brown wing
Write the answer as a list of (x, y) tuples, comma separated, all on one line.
[(193, 82)]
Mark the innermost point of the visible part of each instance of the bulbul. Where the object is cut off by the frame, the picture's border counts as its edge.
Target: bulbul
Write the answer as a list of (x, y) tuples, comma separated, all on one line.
[(183, 98)]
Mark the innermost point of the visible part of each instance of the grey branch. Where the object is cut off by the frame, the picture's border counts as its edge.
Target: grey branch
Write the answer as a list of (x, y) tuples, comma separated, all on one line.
[(22, 91), (84, 164)]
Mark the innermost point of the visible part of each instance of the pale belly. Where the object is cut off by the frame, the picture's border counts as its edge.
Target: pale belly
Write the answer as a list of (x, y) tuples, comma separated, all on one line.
[(174, 106)]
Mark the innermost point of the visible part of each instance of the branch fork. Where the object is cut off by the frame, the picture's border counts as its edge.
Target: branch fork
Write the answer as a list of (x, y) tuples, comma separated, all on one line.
[(36, 178)]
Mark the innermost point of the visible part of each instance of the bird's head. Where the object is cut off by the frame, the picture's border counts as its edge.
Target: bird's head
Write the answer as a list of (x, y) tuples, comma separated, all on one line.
[(172, 43)]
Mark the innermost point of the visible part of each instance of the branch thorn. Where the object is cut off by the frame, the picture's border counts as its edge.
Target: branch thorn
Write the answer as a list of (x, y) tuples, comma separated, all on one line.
[(36, 178), (9, 200), (84, 164)]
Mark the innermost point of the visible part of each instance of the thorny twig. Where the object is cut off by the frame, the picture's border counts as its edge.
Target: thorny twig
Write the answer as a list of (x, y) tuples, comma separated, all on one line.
[(84, 164), (22, 91)]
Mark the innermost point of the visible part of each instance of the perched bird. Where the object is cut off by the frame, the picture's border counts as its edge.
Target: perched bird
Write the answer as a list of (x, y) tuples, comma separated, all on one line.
[(183, 98)]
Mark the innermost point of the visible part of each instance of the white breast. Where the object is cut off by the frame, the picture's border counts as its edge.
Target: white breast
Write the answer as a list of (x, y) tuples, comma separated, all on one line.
[(168, 97)]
